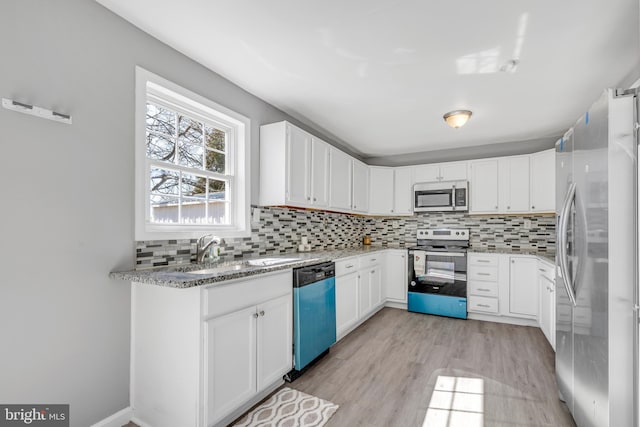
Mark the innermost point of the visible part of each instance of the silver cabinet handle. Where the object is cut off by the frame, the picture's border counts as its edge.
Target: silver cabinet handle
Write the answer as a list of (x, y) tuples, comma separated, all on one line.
[(483, 260), (373, 271), (484, 274), (261, 312), (533, 207), (483, 305), (255, 315), (308, 198), (496, 207), (348, 266), (373, 259), (314, 199), (543, 270), (508, 207), (484, 289)]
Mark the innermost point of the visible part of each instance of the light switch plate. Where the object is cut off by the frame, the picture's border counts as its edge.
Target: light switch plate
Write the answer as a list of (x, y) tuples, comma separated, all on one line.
[(527, 224)]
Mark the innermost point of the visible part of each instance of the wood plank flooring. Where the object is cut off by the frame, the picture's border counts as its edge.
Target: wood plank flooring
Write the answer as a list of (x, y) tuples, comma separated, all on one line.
[(384, 373)]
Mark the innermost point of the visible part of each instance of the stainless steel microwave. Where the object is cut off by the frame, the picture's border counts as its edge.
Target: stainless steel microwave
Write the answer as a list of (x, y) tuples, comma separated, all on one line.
[(441, 196)]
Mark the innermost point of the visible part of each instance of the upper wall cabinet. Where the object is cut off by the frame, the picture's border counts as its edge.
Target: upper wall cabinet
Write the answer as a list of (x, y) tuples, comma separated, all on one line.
[(339, 180), (390, 190), (543, 181), (514, 187), (360, 187), (294, 167), (483, 186), (452, 171)]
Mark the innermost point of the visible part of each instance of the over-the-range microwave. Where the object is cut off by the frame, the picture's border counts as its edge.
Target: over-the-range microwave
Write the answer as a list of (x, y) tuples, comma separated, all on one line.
[(441, 196)]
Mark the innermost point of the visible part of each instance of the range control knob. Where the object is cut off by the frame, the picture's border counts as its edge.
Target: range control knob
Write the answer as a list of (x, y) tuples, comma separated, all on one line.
[(413, 283), (457, 233)]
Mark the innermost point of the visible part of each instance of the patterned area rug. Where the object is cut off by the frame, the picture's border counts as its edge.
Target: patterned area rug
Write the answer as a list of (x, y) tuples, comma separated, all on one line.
[(290, 408)]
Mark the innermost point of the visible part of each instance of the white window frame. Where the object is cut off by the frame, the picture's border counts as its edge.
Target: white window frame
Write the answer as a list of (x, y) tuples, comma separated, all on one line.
[(239, 188)]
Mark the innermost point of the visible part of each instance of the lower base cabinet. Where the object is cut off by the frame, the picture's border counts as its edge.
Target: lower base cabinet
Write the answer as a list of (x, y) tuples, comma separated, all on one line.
[(204, 355), (394, 276), (547, 305)]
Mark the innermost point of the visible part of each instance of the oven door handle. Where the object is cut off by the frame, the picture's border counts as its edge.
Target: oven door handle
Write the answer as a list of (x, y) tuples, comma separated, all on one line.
[(454, 254)]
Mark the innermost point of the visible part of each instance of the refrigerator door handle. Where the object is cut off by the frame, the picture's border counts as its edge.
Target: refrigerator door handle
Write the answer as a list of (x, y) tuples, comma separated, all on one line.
[(562, 242)]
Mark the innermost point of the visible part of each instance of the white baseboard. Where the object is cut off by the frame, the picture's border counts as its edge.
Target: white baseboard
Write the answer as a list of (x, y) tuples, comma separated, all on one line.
[(140, 422), (118, 419), (503, 319)]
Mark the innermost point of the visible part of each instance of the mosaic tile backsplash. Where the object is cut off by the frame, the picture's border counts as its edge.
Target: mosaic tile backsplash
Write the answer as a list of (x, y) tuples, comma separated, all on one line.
[(280, 231)]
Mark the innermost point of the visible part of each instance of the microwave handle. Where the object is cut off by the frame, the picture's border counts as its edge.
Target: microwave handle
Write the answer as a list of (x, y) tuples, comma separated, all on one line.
[(453, 197)]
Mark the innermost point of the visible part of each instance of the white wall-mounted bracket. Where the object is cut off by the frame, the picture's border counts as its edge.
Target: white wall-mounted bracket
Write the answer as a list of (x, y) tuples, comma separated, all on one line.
[(33, 110)]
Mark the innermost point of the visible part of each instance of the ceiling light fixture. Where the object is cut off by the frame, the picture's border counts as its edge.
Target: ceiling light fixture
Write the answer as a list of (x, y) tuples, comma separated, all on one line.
[(457, 118)]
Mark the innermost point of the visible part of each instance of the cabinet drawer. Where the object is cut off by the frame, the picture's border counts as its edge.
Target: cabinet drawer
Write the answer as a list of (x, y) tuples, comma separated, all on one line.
[(346, 266), (369, 260), (485, 289), (482, 304), (485, 274), (483, 260), (233, 295)]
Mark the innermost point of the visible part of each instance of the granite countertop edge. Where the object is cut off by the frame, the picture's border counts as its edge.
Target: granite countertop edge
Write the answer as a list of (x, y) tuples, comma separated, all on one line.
[(179, 277)]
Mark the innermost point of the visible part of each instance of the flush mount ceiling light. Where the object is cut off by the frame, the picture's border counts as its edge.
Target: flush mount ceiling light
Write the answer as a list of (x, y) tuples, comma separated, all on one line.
[(457, 118)]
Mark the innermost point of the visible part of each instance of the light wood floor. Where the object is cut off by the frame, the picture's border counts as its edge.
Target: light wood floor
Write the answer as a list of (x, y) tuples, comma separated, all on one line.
[(383, 373)]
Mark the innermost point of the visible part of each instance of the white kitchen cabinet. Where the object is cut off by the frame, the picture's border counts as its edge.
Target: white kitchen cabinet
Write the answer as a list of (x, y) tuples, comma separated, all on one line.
[(375, 283), (452, 171), (381, 190), (483, 186), (482, 283), (360, 186), (230, 362), (523, 286), (222, 349), (340, 180), (364, 293), (514, 184), (543, 181), (319, 173), (547, 304), (395, 276), (294, 167), (347, 294), (403, 191)]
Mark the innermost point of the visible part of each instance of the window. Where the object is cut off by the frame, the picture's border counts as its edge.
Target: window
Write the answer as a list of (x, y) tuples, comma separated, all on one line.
[(192, 164)]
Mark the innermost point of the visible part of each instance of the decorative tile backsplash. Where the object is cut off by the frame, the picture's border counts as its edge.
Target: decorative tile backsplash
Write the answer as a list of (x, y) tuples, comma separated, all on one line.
[(280, 231)]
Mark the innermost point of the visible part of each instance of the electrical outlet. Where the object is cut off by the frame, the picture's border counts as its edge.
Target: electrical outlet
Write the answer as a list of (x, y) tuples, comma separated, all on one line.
[(395, 223), (527, 224)]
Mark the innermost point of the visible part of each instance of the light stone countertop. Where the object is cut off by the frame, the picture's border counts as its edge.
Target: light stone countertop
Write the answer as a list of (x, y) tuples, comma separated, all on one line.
[(180, 277)]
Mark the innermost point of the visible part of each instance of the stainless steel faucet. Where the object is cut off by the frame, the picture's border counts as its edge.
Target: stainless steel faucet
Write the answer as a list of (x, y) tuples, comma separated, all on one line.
[(203, 248)]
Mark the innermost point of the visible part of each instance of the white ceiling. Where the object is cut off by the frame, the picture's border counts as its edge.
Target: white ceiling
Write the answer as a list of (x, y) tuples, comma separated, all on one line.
[(379, 74)]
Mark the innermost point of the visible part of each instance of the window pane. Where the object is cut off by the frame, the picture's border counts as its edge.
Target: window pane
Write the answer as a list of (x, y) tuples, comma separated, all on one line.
[(164, 181), (216, 161), (160, 119), (191, 155), (160, 147), (218, 213), (193, 211), (216, 139), (193, 185), (164, 209), (217, 190), (189, 130)]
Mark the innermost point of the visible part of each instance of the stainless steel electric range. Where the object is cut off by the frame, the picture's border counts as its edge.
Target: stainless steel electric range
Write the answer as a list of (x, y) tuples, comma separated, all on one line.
[(438, 272)]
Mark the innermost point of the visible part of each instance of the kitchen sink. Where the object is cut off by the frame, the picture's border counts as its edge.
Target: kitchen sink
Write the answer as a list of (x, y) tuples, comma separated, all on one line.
[(239, 265), (265, 262)]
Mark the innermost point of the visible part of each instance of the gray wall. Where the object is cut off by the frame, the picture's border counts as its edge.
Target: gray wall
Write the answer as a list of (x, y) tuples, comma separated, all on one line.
[(67, 198)]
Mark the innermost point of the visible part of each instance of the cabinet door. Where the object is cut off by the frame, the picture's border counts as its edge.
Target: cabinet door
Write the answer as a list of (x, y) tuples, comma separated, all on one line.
[(274, 340), (395, 277), (339, 180), (360, 187), (426, 173), (381, 191), (483, 186), (230, 362), (319, 173), (347, 313), (375, 285), (298, 163), (523, 286), (517, 184), (403, 191), (364, 293), (455, 171), (543, 181), (544, 312)]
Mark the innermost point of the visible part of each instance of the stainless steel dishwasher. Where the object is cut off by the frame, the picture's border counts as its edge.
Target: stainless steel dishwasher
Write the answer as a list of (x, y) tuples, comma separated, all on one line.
[(314, 314)]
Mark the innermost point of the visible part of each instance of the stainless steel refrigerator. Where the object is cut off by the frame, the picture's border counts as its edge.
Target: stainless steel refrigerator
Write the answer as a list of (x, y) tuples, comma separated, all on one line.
[(596, 298)]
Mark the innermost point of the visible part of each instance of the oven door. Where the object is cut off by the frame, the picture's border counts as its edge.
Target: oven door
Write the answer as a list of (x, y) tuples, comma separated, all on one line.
[(443, 273)]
